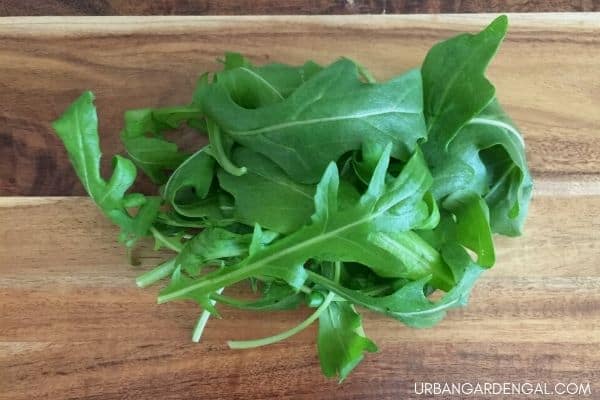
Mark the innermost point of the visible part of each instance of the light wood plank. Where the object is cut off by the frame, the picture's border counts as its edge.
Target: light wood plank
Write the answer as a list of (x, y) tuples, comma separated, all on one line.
[(72, 321)]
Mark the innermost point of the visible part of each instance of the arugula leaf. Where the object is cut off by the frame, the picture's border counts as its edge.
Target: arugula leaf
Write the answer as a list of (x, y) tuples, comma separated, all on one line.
[(333, 235), (266, 195), (214, 244), (250, 86), (454, 86), (154, 154), (336, 104), (473, 225), (341, 341), (467, 126), (293, 274), (188, 189), (180, 280), (487, 157), (409, 303), (276, 296), (78, 130), (173, 220), (502, 150)]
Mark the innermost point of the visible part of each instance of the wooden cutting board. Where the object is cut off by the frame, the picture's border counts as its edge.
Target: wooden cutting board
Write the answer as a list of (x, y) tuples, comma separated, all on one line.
[(72, 323)]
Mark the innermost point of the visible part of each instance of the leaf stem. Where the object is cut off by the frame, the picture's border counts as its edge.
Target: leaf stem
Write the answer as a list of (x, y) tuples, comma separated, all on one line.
[(165, 241), (333, 287), (231, 301), (305, 289), (217, 150), (162, 271), (201, 323), (248, 344)]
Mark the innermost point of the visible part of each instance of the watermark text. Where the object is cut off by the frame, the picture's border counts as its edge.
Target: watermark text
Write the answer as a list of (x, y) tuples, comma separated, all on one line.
[(502, 388)]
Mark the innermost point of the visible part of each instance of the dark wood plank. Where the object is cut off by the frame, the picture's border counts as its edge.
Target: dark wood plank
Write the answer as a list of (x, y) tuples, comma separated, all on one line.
[(545, 76), (481, 6), (73, 325), (286, 7), (185, 7)]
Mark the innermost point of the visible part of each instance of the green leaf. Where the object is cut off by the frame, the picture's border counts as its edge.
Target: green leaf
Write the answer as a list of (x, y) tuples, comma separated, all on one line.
[(179, 281), (220, 147), (472, 144), (341, 341), (211, 245), (454, 86), (473, 225), (509, 184), (250, 86), (334, 109), (409, 303), (293, 274), (266, 195), (154, 154), (276, 296), (487, 157), (369, 157), (78, 130), (409, 249), (335, 235), (188, 188)]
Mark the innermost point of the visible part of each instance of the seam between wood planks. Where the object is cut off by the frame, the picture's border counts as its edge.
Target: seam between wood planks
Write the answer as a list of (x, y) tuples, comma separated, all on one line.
[(543, 187)]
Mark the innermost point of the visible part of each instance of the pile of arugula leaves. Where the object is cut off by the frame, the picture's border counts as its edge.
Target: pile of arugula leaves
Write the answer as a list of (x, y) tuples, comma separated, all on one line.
[(323, 187)]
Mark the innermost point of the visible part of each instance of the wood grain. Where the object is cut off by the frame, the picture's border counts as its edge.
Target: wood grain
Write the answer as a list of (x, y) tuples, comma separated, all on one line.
[(261, 7), (73, 325), (545, 73)]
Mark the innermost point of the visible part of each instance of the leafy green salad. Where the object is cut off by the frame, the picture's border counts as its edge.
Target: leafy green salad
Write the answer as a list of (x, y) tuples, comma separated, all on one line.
[(320, 187)]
